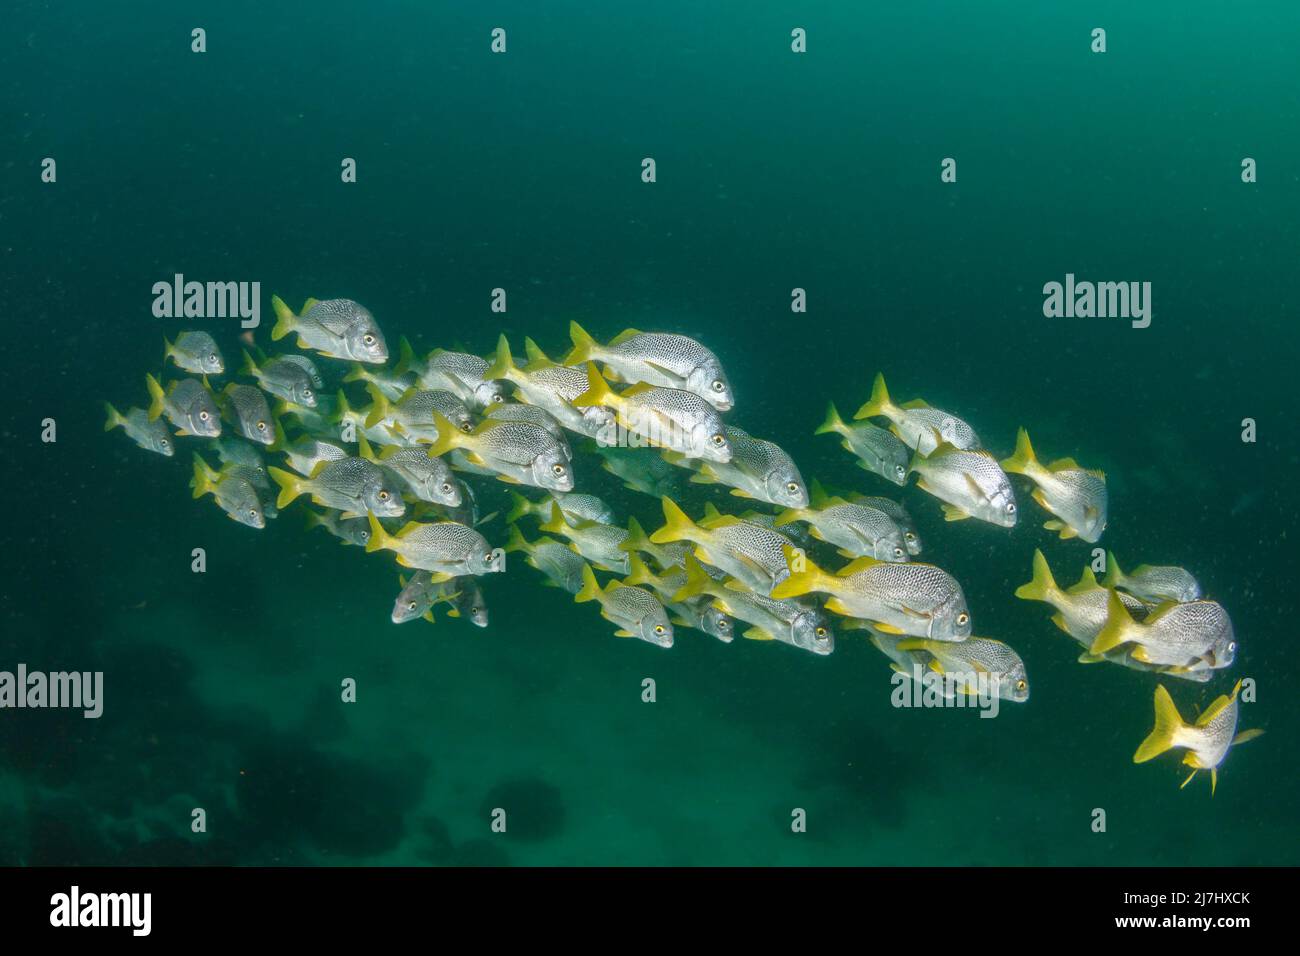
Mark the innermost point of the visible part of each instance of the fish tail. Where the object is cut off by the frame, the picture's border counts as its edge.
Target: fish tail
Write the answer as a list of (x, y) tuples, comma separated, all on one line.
[(363, 448), (448, 436), (358, 374), (640, 574), (816, 494), (406, 357), (281, 439), (291, 486), (677, 526), (515, 540), (249, 367), (115, 418), (503, 365), (203, 477), (697, 581), (379, 538), (785, 517), (636, 539), (314, 520), (155, 397), (590, 587), (1022, 460), (1168, 723), (583, 344), (379, 410), (519, 506), (833, 422), (168, 350), (804, 578), (878, 402), (536, 357), (1114, 576), (284, 319), (555, 524), (1042, 586), (344, 409), (598, 391), (1118, 628)]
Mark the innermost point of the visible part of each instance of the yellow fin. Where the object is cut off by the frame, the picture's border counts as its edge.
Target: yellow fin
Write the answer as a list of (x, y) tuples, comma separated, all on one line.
[(291, 486), (1168, 722), (1246, 736), (758, 634), (1118, 625), (953, 513), (583, 345), (590, 590), (677, 526), (1042, 585), (284, 319), (877, 403), (1022, 461)]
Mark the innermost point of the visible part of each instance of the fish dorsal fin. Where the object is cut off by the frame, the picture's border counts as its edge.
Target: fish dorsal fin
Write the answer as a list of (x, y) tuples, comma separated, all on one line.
[(1064, 464), (721, 521), (915, 403), (853, 567), (637, 389), (307, 306), (1097, 473), (1159, 611), (408, 528), (1087, 582), (1217, 706), (943, 449), (711, 511), (318, 468), (623, 336)]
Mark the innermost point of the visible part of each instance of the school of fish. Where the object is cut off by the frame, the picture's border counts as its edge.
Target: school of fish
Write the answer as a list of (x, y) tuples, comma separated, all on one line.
[(397, 472)]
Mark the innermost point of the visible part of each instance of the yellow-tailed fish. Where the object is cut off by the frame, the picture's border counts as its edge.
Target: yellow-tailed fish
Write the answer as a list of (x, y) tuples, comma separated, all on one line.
[(1207, 741), (1077, 496)]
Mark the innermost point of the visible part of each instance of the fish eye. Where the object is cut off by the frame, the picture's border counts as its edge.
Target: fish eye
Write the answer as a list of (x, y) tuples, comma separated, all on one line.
[(900, 471), (1022, 684), (368, 339), (717, 385), (718, 441), (473, 610), (163, 442), (820, 632), (723, 625), (659, 628), (898, 552), (498, 398), (365, 536), (410, 606), (252, 512), (792, 487), (261, 426), (213, 358), (203, 416), (963, 619), (1011, 507), (446, 488), (306, 393), (1232, 646), (383, 496), (488, 557), (467, 426), (558, 470)]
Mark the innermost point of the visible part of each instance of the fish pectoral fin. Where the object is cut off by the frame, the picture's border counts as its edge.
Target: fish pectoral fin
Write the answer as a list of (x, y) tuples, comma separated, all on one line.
[(1140, 653), (839, 607), (1089, 658), (1246, 735), (664, 371), (1037, 495), (1189, 778), (1059, 620), (741, 494), (624, 634), (887, 628), (758, 634), (953, 513)]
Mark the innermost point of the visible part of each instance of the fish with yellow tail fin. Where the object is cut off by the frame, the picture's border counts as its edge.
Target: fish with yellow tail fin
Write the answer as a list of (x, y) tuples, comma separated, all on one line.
[(352, 485), (977, 665), (665, 555), (516, 451), (149, 435), (392, 384), (411, 415), (748, 552), (419, 595), (799, 624), (656, 358), (1081, 610), (658, 417), (187, 404), (195, 352), (234, 494), (575, 505), (878, 451), (550, 387), (635, 610), (336, 328), (282, 378), (696, 612), (920, 600), (245, 407), (921, 427), (1153, 583), (857, 530), (561, 565), (971, 484), (598, 543), (443, 548), (1077, 496), (1207, 741), (902, 517), (758, 469), (1174, 635)]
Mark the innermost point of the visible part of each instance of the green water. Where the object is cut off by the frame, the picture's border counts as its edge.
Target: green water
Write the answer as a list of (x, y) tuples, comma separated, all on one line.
[(522, 171)]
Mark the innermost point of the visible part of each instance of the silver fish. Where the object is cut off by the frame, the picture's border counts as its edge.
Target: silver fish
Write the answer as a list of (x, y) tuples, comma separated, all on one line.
[(246, 409), (336, 328), (878, 451), (188, 405), (971, 484), (150, 435), (657, 358), (195, 352), (919, 426)]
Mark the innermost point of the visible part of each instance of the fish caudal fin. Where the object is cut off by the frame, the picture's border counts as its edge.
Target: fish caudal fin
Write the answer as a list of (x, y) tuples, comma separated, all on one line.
[(878, 402), (503, 365), (833, 422), (583, 344), (1022, 460), (155, 397), (805, 577), (291, 486), (598, 391), (405, 357), (1043, 585), (1114, 576), (556, 523), (379, 538), (249, 367), (448, 436), (590, 589), (1118, 628), (1168, 722), (519, 507), (515, 540), (203, 478), (115, 418), (640, 573), (697, 581), (636, 539), (284, 319), (677, 526), (378, 410)]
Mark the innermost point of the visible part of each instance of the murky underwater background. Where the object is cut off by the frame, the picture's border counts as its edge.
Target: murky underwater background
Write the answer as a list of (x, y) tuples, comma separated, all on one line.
[(522, 171)]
